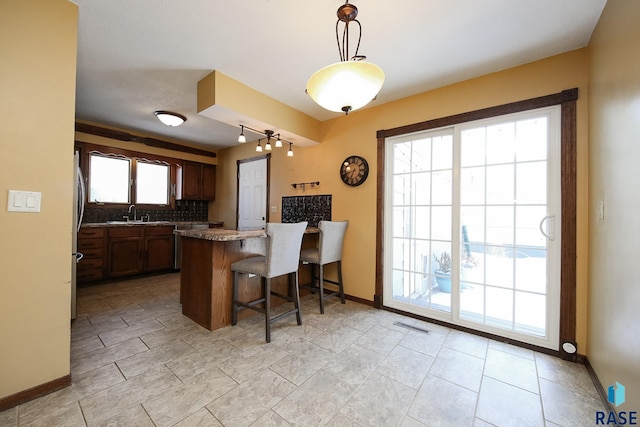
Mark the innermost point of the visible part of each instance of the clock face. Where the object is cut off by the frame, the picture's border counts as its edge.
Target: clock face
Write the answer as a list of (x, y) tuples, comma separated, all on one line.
[(354, 170)]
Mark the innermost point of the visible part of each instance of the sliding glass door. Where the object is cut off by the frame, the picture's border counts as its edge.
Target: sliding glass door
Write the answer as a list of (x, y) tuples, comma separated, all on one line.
[(470, 216), (422, 197)]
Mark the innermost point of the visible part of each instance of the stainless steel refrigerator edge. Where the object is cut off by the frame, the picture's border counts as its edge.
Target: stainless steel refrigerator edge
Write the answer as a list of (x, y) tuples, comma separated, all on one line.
[(78, 212)]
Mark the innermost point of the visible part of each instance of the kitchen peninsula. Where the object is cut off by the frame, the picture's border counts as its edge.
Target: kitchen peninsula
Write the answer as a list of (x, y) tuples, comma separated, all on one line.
[(206, 280)]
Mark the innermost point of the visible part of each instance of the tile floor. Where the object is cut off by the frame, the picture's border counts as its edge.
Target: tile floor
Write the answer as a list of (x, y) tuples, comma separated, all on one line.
[(136, 361)]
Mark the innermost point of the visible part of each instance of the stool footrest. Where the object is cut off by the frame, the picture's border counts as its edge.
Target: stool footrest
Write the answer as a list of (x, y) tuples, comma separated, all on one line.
[(327, 292), (252, 305), (331, 294), (242, 306), (311, 286), (286, 313), (284, 297)]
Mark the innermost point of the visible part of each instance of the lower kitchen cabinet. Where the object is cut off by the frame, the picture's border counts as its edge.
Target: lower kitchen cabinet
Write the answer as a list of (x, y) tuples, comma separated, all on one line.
[(158, 248), (125, 251), (117, 252), (91, 242)]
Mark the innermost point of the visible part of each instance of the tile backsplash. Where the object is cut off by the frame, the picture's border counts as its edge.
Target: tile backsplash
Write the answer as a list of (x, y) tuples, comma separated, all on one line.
[(306, 208), (185, 210)]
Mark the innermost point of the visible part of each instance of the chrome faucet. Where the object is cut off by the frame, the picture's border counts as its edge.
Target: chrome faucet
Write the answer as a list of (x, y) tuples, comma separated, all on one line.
[(134, 212)]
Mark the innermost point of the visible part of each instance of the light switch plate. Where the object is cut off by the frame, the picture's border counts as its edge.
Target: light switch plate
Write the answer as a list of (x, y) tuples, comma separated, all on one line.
[(24, 201)]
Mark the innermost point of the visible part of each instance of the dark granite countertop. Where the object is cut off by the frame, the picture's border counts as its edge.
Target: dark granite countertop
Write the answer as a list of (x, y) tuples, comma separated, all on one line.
[(222, 235), (147, 223)]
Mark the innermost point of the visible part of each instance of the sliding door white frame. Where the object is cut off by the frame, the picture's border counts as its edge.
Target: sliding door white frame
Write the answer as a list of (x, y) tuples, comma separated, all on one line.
[(451, 312)]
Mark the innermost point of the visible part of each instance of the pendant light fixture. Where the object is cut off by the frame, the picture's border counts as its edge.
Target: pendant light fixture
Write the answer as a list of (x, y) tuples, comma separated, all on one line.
[(169, 118), (351, 83)]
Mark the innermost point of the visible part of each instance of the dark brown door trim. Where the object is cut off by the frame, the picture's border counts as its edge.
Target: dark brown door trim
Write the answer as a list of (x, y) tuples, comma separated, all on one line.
[(267, 196)]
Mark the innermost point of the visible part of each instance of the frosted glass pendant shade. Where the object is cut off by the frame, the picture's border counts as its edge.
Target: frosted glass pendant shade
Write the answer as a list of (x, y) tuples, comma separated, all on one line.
[(345, 86)]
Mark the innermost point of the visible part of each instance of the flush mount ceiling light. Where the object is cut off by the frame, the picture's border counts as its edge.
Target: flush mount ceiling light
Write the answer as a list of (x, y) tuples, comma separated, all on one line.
[(169, 118), (351, 83)]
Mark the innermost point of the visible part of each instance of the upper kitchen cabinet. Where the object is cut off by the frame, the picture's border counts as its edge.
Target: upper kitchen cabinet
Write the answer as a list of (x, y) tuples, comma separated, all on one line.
[(196, 181)]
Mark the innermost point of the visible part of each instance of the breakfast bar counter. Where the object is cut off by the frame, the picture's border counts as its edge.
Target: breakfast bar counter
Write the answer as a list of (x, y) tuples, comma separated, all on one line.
[(206, 280)]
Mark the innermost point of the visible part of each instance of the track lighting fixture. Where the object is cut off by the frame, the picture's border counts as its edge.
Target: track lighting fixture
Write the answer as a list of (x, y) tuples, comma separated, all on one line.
[(269, 134)]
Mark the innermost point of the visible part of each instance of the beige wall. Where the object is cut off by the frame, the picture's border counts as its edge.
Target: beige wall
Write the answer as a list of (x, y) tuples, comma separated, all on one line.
[(356, 134), (37, 110), (614, 287)]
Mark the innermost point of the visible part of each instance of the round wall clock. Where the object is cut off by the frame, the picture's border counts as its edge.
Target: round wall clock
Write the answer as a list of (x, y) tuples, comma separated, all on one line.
[(354, 170)]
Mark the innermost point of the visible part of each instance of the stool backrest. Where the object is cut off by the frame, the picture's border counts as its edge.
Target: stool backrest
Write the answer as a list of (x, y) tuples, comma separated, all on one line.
[(283, 247), (331, 240)]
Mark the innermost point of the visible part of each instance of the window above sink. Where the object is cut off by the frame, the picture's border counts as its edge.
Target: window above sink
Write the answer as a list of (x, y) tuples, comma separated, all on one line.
[(124, 180), (136, 196)]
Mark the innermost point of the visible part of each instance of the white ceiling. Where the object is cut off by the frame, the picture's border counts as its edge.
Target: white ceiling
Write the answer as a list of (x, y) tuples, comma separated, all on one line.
[(135, 57)]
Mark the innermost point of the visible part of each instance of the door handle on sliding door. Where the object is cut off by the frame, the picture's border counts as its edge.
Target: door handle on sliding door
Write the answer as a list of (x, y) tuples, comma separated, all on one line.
[(550, 232)]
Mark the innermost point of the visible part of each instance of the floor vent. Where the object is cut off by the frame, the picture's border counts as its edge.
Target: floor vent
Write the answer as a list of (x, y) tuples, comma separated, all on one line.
[(415, 328)]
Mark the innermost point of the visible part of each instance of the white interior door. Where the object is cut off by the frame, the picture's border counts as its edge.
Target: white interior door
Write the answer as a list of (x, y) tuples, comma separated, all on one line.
[(252, 194)]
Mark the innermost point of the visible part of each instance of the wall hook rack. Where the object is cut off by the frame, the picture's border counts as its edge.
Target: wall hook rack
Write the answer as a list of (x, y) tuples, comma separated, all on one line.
[(304, 184)]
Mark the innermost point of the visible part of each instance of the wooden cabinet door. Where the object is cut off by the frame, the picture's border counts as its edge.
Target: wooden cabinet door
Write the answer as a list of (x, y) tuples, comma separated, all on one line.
[(196, 181), (125, 256), (208, 182), (159, 247), (125, 251), (191, 181)]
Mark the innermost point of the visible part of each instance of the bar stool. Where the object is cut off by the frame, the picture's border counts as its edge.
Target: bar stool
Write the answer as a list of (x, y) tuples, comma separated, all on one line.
[(282, 257), (329, 250)]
